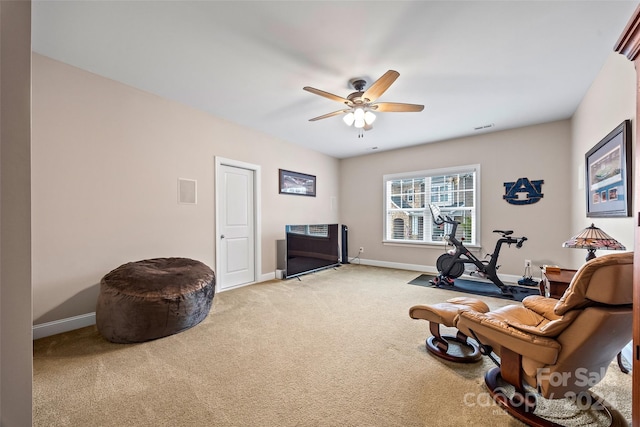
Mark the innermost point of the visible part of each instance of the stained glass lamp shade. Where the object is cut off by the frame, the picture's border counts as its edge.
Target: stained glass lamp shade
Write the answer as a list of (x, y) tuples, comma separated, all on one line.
[(591, 239)]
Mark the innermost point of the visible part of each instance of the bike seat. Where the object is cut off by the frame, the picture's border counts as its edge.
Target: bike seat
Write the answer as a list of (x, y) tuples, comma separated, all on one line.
[(504, 232)]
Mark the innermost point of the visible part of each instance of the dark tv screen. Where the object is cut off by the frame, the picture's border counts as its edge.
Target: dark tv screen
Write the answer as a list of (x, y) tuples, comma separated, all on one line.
[(311, 247)]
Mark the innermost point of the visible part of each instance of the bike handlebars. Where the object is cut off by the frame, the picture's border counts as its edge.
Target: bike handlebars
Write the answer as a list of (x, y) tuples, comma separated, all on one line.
[(518, 241), (506, 234)]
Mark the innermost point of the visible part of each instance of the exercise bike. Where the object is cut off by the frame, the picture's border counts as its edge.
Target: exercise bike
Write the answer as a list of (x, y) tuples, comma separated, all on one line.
[(451, 265)]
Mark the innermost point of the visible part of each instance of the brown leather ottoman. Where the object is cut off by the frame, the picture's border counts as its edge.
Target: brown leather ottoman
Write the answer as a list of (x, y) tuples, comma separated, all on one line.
[(149, 299), (447, 314)]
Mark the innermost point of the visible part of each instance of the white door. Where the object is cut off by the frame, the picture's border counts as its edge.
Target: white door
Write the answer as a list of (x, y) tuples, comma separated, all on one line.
[(235, 213)]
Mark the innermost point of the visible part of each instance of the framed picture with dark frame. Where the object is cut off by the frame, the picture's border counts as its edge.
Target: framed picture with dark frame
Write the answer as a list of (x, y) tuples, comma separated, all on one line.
[(300, 184), (608, 174)]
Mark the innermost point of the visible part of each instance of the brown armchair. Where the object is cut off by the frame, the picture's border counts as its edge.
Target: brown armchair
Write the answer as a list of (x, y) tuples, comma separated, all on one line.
[(560, 348)]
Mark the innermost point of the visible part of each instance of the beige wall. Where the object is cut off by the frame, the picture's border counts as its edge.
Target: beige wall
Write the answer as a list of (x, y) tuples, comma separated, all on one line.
[(16, 346), (106, 160), (553, 152), (610, 100), (535, 152)]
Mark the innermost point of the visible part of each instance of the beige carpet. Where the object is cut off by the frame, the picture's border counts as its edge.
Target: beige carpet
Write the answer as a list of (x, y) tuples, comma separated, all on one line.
[(336, 348)]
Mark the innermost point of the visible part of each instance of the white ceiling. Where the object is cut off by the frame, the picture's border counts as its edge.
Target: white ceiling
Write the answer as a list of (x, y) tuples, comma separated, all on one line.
[(471, 63)]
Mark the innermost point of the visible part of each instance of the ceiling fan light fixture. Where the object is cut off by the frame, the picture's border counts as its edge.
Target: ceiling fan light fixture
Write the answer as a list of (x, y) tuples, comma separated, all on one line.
[(348, 119), (359, 120), (362, 103), (369, 117)]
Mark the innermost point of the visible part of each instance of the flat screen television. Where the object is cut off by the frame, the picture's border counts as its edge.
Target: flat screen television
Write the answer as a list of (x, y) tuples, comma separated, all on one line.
[(311, 247)]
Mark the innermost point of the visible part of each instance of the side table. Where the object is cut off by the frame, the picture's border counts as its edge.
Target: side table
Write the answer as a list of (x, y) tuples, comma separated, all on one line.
[(553, 284)]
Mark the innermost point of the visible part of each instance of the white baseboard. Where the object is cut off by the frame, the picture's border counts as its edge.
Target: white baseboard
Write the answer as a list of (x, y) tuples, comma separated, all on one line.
[(397, 265), (262, 278), (76, 322), (63, 325), (506, 278), (268, 276)]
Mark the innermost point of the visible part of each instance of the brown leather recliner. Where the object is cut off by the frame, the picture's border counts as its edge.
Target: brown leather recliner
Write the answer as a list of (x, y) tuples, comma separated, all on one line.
[(563, 347)]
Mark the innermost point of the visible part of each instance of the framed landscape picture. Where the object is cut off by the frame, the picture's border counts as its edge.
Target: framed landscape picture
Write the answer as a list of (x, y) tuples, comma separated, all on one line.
[(608, 174), (297, 183)]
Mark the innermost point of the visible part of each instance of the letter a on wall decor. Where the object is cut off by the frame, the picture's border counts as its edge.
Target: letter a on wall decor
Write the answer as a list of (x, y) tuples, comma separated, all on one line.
[(531, 191)]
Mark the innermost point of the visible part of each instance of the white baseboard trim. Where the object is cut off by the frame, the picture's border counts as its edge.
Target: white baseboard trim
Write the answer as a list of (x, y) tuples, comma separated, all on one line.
[(268, 276), (506, 278), (262, 278), (76, 322), (63, 325), (398, 265)]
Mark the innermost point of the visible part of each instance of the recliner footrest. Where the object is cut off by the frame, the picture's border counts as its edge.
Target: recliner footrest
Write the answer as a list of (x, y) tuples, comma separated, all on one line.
[(447, 314)]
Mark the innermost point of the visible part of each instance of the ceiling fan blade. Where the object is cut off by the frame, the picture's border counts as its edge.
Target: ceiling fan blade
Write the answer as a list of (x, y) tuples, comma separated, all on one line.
[(327, 95), (396, 107), (325, 116), (381, 85)]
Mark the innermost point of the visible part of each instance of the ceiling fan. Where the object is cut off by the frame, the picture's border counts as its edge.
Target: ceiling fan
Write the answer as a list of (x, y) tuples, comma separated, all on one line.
[(361, 104)]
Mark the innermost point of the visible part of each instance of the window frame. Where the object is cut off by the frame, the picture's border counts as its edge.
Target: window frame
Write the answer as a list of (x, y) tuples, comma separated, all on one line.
[(427, 173)]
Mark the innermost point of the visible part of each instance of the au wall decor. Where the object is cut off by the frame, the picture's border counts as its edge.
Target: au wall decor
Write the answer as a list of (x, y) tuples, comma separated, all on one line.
[(523, 191)]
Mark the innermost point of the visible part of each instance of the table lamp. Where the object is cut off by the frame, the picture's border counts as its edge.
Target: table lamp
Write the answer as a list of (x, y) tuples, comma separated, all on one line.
[(592, 238)]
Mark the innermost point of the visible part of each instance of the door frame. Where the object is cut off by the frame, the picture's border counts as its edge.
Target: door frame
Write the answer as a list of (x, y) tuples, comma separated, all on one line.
[(257, 218), (629, 45)]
